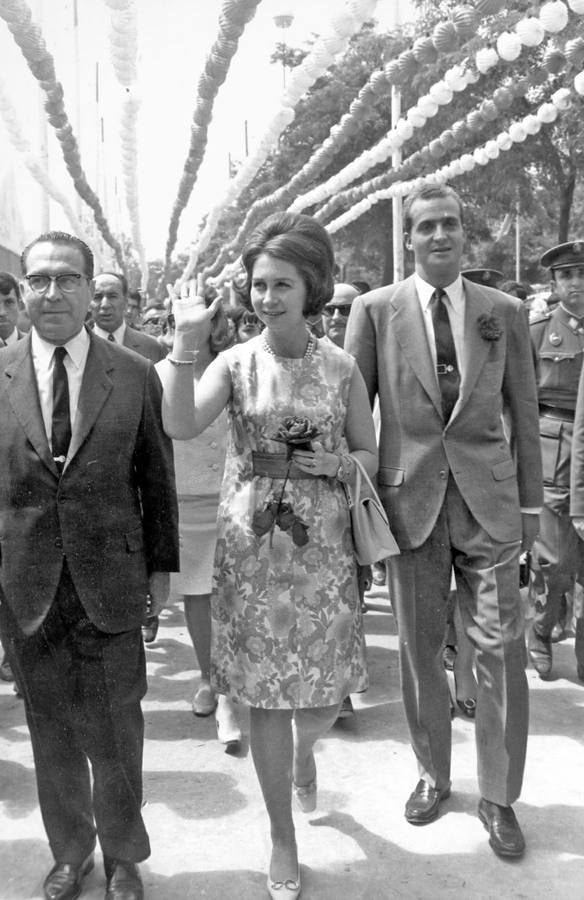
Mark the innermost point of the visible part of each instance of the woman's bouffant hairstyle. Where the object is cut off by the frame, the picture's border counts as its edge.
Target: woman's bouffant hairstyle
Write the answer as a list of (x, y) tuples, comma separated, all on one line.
[(301, 241)]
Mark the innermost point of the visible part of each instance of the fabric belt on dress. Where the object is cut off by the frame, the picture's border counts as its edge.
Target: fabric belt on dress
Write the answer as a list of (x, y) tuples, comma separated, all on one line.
[(275, 465), (557, 412)]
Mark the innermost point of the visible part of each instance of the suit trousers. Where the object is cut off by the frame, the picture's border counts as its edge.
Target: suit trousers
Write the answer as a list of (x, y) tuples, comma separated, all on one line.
[(487, 583), (82, 689)]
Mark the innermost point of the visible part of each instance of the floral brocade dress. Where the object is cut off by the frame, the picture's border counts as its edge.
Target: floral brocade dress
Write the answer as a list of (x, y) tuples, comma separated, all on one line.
[(287, 629)]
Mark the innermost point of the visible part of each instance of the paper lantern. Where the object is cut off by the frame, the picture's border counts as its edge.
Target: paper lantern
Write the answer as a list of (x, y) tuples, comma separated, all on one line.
[(547, 113), (530, 31), (485, 59), (488, 110), (474, 120), (417, 118), (517, 132), (392, 72), (554, 60), (492, 149), (480, 157), (448, 140), (379, 84), (424, 50), (561, 98), (454, 78), (427, 106), (408, 65), (343, 23), (460, 131), (465, 21), (531, 124), (467, 162), (577, 6), (471, 77), (489, 7), (508, 46), (456, 169), (404, 130), (574, 51), (504, 142), (436, 149), (445, 37), (440, 93), (579, 83), (554, 16)]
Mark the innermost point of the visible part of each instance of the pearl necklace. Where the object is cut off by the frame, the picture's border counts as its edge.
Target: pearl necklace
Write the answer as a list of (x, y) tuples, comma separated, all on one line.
[(308, 353)]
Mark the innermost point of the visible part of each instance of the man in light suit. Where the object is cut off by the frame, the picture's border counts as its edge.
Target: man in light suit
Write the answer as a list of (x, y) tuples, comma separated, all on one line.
[(461, 493), (108, 310), (88, 529)]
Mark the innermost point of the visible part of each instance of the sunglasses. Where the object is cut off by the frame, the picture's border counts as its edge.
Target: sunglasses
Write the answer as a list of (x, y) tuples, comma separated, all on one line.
[(344, 311)]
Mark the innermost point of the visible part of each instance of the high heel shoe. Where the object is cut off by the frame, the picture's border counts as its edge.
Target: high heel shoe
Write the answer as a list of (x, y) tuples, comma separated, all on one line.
[(285, 890), (305, 796), (228, 730)]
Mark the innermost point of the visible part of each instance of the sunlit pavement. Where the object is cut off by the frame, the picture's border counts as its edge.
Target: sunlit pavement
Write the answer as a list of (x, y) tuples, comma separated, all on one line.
[(209, 830)]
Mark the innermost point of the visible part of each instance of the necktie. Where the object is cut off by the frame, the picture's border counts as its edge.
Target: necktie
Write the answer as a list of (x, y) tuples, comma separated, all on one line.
[(110, 337), (61, 424), (446, 365)]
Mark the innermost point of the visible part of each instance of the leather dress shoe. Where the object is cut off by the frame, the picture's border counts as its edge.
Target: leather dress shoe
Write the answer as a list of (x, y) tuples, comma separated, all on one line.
[(423, 804), (505, 836), (540, 653), (150, 629), (64, 880), (123, 880)]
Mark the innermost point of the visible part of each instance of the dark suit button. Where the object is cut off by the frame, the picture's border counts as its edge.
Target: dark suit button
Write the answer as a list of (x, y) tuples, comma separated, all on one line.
[(59, 543)]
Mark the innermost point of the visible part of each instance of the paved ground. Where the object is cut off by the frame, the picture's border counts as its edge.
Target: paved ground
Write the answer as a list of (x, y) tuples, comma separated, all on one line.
[(208, 827)]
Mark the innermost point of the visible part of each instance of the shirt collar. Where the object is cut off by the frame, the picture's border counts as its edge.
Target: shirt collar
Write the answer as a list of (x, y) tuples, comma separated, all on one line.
[(77, 348), (12, 337), (118, 333), (454, 291)]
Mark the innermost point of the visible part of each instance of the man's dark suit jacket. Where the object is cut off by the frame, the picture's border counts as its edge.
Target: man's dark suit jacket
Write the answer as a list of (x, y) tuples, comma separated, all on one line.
[(113, 511), (144, 344)]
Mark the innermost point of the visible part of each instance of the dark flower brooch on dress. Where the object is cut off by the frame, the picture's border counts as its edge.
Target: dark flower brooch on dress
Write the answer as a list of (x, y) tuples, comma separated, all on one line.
[(490, 328), (296, 432)]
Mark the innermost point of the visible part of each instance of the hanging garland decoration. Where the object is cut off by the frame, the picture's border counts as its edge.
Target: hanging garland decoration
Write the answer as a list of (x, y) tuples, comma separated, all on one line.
[(343, 25), (340, 133), (124, 52), (28, 36), (32, 162), (529, 32), (234, 16), (517, 132), (456, 134)]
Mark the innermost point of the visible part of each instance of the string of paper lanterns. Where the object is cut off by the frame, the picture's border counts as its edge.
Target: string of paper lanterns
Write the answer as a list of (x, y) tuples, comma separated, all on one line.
[(343, 25), (232, 21), (517, 132), (32, 163), (28, 36), (123, 38)]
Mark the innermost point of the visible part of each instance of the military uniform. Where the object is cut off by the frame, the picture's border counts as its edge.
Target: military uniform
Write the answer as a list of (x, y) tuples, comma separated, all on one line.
[(558, 553)]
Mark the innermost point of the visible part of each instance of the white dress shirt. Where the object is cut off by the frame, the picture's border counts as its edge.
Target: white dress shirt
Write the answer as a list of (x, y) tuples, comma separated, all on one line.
[(455, 306), (118, 333), (12, 337), (43, 361)]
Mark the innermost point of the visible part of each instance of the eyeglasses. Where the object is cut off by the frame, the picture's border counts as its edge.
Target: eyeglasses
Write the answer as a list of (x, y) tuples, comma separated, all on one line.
[(67, 282), (343, 311)]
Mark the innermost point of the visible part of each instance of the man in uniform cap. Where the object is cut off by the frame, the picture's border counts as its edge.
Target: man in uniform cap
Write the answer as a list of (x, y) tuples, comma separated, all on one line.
[(557, 337), (489, 277)]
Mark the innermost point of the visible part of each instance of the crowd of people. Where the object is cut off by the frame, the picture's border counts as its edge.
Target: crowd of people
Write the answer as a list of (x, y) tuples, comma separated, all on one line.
[(204, 446)]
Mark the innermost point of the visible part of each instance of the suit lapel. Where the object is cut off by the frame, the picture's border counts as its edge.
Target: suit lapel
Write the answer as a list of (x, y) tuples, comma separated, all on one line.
[(410, 331), (95, 388), (475, 348), (21, 388)]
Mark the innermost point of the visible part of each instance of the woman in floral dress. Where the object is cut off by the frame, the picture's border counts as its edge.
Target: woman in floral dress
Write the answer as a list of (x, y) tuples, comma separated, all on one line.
[(287, 627)]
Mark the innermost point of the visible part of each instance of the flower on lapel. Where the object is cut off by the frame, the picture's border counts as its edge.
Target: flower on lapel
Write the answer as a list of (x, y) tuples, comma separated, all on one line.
[(490, 328)]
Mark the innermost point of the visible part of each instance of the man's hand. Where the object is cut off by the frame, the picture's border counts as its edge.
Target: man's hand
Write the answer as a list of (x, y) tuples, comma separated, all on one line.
[(159, 590), (578, 523), (530, 529)]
